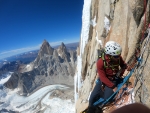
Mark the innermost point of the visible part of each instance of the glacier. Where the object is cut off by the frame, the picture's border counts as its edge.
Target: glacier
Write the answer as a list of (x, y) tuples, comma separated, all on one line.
[(38, 101)]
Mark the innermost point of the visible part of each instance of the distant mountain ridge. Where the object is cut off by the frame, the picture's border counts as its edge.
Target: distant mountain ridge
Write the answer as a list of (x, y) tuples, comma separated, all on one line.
[(70, 46), (51, 66), (27, 57)]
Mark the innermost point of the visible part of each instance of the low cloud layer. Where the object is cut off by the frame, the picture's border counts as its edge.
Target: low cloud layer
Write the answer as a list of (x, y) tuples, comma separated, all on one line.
[(9, 53)]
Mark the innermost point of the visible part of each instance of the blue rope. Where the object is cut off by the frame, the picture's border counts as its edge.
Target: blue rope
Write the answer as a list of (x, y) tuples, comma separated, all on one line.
[(124, 89), (102, 101), (119, 87)]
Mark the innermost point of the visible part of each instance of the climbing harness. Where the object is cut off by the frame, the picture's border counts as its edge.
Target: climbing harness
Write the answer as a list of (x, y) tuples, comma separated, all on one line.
[(101, 54)]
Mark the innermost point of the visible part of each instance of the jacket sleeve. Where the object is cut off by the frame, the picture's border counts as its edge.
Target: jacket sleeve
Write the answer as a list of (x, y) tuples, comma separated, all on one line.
[(102, 74), (123, 66)]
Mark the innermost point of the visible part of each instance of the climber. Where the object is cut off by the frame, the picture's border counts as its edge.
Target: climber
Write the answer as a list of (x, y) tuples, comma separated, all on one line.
[(107, 67)]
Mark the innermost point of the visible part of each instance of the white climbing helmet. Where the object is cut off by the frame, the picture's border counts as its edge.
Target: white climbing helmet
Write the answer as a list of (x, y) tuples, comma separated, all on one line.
[(112, 48)]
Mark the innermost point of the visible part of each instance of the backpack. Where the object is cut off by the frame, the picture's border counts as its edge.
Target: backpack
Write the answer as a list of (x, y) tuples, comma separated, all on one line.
[(101, 54)]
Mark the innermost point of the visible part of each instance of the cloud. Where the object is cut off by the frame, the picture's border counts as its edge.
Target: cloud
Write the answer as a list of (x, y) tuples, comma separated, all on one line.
[(21, 49), (17, 51), (55, 43), (9, 53)]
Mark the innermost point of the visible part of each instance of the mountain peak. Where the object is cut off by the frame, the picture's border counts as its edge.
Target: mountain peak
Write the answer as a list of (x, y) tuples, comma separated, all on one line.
[(62, 44), (45, 49), (63, 53), (62, 48), (45, 43)]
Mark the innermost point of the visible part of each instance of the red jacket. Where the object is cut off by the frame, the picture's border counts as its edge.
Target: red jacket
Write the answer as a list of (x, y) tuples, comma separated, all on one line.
[(106, 73)]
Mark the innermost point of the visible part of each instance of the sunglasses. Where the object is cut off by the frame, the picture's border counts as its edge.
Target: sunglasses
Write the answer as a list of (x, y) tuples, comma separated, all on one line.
[(116, 56)]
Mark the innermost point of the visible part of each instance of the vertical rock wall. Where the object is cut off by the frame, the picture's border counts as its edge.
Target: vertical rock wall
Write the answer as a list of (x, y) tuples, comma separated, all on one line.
[(125, 23)]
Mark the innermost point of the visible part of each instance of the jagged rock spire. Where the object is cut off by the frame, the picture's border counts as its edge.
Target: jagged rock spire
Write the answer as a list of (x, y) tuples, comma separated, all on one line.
[(62, 48), (45, 49), (62, 51)]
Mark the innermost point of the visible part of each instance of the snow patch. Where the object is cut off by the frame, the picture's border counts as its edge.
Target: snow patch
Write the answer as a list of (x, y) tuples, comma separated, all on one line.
[(85, 25), (99, 41), (5, 78), (28, 67), (64, 106), (84, 39), (93, 22), (40, 100), (106, 24)]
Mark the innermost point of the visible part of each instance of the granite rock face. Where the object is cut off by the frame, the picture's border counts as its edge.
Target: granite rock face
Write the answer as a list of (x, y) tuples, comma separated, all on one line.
[(123, 21)]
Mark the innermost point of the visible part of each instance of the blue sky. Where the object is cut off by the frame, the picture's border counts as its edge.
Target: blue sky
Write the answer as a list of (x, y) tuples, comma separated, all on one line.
[(24, 24)]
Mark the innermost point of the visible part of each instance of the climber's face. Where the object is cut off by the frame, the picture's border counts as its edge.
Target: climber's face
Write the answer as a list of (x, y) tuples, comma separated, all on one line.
[(115, 58)]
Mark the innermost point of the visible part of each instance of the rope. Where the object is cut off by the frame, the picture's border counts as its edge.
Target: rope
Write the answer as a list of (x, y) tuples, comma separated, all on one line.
[(144, 21), (140, 67), (137, 50), (140, 58), (124, 81), (120, 96), (140, 64)]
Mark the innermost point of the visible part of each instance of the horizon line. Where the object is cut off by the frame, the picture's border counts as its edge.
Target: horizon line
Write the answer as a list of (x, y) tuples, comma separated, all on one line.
[(10, 53)]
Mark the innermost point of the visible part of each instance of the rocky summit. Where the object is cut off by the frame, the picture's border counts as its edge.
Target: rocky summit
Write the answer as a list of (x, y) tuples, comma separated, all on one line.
[(52, 66)]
